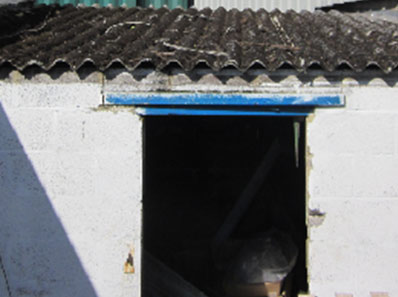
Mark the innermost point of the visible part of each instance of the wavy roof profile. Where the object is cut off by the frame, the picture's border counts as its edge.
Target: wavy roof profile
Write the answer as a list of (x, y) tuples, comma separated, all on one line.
[(219, 38)]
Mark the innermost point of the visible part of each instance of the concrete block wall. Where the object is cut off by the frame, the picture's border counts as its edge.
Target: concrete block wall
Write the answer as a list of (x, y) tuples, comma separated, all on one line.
[(70, 180), (353, 194), (71, 175)]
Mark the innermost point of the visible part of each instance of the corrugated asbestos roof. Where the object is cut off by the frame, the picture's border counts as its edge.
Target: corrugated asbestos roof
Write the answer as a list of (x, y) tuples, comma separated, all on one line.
[(117, 3), (220, 38)]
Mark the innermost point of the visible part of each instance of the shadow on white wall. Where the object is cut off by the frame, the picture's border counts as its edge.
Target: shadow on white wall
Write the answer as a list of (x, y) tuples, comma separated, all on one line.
[(37, 257)]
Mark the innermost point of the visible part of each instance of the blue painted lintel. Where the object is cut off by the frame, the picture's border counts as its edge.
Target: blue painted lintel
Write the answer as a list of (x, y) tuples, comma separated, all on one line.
[(216, 99), (166, 111)]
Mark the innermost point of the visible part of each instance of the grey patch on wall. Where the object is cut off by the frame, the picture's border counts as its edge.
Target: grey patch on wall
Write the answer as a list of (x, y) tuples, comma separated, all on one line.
[(316, 218)]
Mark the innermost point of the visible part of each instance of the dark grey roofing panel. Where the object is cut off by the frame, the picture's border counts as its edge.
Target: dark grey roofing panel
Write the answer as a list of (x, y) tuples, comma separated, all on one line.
[(219, 38)]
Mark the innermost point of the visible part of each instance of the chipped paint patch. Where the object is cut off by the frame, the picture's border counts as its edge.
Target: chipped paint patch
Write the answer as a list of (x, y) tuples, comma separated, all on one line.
[(316, 218)]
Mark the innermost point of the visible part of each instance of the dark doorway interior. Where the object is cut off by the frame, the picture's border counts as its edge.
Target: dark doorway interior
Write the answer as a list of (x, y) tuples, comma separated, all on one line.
[(195, 168)]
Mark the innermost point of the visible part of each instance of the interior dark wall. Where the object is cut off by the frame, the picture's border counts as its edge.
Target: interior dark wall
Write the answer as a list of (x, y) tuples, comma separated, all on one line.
[(196, 168)]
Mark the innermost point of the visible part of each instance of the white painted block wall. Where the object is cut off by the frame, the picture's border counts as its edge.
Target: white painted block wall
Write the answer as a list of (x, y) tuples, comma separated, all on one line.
[(354, 182), (70, 180)]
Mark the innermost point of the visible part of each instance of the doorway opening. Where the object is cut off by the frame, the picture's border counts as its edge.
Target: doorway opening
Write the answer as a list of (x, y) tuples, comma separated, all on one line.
[(211, 186)]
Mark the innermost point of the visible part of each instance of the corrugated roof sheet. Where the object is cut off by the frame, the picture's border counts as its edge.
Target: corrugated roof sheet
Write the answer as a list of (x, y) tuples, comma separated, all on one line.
[(220, 38), (116, 3), (282, 5)]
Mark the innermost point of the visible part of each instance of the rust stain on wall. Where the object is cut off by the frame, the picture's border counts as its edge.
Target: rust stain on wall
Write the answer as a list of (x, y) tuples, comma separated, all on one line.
[(129, 264)]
